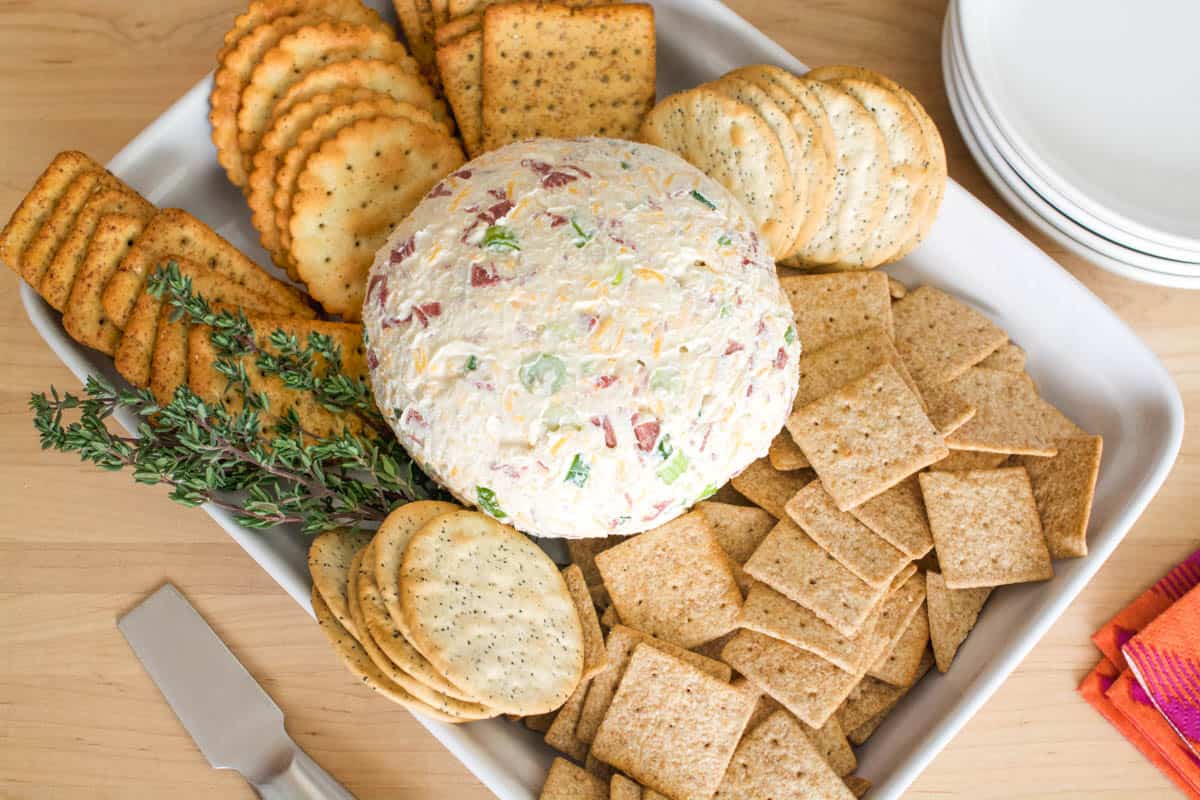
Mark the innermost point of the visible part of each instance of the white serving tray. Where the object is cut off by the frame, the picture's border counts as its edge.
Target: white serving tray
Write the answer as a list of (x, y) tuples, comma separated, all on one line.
[(1083, 357)]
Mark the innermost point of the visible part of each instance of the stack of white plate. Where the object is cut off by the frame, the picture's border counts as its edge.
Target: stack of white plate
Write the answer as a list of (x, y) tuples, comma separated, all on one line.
[(1085, 116)]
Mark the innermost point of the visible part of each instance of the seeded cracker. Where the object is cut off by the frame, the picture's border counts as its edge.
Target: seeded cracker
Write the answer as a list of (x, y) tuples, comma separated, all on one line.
[(674, 582), (1010, 417), (671, 726), (898, 515), (860, 549), (594, 658), (832, 307), (337, 225), (739, 531), (866, 437), (39, 203), (777, 760), (592, 71), (84, 318), (941, 337), (952, 615), (565, 781), (329, 558), (795, 566), (390, 541), (480, 599), (620, 646), (561, 733), (785, 455), (899, 666), (985, 527), (768, 488), (805, 684), (1063, 487)]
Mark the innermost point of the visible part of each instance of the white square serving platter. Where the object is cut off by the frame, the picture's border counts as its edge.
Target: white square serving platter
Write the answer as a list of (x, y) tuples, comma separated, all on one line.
[(1086, 361)]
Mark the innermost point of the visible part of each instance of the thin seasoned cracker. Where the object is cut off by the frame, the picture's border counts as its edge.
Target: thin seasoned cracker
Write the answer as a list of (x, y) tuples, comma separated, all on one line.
[(805, 684), (1008, 356), (674, 582), (1010, 416), (337, 225), (671, 726), (941, 337), (739, 531), (899, 666), (777, 760), (620, 646), (860, 549), (84, 318), (38, 254), (866, 437), (952, 614), (985, 527), (561, 733), (785, 455), (832, 307), (1063, 488), (565, 781), (592, 71), (768, 488), (595, 660), (39, 203), (898, 515), (794, 565)]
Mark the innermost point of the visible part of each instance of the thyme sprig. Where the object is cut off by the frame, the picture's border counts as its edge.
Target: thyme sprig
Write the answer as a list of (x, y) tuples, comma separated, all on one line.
[(265, 474)]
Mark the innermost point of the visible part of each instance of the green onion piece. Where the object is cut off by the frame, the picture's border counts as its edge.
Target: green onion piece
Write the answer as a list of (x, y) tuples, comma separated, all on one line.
[(625, 165), (487, 501), (664, 447), (543, 374), (707, 492), (584, 238), (725, 241), (665, 379), (789, 335), (675, 466), (699, 198), (500, 237), (726, 310), (619, 278), (472, 364), (578, 472)]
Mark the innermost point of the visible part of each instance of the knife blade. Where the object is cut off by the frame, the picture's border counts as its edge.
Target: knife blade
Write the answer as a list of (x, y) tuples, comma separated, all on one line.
[(233, 721)]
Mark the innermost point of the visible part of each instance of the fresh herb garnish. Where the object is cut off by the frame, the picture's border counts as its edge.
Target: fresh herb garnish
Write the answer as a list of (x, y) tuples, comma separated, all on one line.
[(708, 491), (675, 466), (699, 198), (789, 335), (725, 241), (584, 237), (500, 237), (578, 472), (487, 501), (472, 364)]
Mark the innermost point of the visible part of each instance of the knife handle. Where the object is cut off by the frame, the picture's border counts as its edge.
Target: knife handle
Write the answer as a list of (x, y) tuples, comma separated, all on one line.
[(302, 779)]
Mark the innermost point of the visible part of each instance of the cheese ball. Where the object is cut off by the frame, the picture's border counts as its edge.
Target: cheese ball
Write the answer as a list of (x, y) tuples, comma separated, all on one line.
[(580, 337)]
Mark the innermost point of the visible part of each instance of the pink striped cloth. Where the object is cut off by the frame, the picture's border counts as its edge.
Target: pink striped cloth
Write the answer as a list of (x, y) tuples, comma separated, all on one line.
[(1142, 611)]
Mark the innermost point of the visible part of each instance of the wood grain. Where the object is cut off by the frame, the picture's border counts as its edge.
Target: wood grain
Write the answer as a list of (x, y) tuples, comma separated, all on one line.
[(80, 719)]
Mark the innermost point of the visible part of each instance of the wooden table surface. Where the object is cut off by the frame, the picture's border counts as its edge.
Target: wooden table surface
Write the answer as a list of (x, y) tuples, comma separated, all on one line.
[(78, 716)]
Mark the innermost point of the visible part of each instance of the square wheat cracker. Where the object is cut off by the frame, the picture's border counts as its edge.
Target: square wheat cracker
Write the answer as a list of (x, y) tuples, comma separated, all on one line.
[(952, 615), (1063, 488), (460, 63), (805, 684), (899, 666), (739, 531), (777, 760), (947, 409), (831, 307), (561, 733), (768, 488), (595, 660), (898, 515), (672, 727), (841, 361), (985, 527), (858, 786), (941, 337), (965, 460), (583, 553), (872, 700), (1008, 356), (785, 455), (674, 582), (830, 740), (791, 563), (840, 534), (621, 643), (565, 781), (621, 788), (1010, 416), (897, 611), (592, 71), (866, 437)]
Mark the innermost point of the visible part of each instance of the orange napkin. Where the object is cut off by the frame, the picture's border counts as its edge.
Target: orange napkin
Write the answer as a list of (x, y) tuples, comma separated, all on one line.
[(1138, 614), (1182, 766)]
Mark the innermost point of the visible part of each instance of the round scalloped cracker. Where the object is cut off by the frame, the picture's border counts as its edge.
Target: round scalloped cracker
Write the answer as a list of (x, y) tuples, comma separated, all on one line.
[(732, 144), (859, 194), (302, 51), (352, 192), (756, 98), (329, 558), (935, 148), (262, 12), (492, 612), (322, 129), (391, 539), (363, 668), (362, 589)]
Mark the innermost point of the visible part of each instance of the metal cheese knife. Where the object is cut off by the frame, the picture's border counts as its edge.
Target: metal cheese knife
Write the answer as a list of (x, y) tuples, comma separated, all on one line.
[(233, 721)]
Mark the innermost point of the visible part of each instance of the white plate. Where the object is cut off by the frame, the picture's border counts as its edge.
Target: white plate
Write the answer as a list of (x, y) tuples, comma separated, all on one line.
[(1116, 135), (1179, 261), (1084, 358), (1037, 210)]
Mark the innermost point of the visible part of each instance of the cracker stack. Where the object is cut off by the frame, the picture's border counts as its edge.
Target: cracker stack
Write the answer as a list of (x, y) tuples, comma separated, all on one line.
[(930, 472), (334, 133), (842, 168), (516, 70)]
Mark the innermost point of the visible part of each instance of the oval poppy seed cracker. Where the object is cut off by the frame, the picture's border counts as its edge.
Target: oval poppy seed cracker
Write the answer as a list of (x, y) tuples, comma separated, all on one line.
[(329, 558), (361, 586), (353, 190), (492, 612), (793, 149), (363, 668), (390, 541), (233, 73), (732, 144), (297, 53)]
